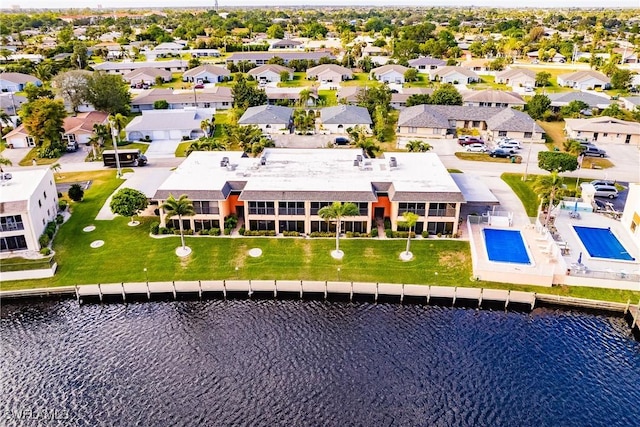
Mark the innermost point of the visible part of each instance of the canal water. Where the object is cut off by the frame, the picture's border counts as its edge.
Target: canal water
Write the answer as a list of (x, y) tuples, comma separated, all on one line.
[(313, 363)]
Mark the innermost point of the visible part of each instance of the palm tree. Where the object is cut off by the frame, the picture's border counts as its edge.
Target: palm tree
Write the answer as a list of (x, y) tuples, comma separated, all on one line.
[(409, 221), (5, 119), (305, 96), (101, 132), (336, 211), (206, 145), (416, 146), (548, 187), (56, 169), (572, 146), (4, 161), (118, 122), (181, 207)]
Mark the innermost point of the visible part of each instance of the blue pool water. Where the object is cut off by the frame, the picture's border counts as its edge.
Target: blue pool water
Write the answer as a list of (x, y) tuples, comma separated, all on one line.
[(505, 246), (602, 243)]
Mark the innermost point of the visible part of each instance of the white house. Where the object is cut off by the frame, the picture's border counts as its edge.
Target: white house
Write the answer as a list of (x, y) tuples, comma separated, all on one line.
[(205, 74), (426, 63), (269, 118), (147, 75), (28, 201), (454, 75), (584, 80), (631, 214), (389, 73), (603, 129), (169, 124), (218, 97), (15, 82), (329, 73), (517, 77), (269, 73), (342, 117)]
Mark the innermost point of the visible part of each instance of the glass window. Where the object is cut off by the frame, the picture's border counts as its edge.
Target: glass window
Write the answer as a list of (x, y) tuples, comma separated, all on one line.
[(261, 208), (292, 226), (262, 225), (528, 135), (11, 223), (502, 133), (206, 207), (316, 206), (476, 124), (416, 208), (442, 209), (13, 243), (291, 208), (440, 227)]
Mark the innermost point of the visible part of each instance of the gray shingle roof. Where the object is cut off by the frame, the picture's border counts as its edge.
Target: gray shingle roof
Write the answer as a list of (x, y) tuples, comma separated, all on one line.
[(266, 114), (206, 68), (438, 116), (561, 99), (427, 60), (345, 114)]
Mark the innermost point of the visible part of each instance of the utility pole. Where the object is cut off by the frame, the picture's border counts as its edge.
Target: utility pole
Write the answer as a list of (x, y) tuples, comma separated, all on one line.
[(115, 136), (526, 167)]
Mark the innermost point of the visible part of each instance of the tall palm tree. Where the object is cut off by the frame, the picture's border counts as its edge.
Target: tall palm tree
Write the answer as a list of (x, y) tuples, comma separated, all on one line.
[(572, 146), (305, 96), (335, 212), (416, 146), (5, 119), (548, 187), (409, 220), (181, 207), (4, 161), (101, 132), (56, 169), (206, 145), (119, 122)]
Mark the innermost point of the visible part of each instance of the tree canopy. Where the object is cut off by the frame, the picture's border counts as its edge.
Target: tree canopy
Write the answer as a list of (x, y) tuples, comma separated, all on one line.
[(557, 161), (108, 93), (537, 106), (43, 119), (446, 94), (128, 202)]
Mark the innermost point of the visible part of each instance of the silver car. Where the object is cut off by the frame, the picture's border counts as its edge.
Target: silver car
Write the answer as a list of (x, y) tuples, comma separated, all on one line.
[(606, 191), (477, 148)]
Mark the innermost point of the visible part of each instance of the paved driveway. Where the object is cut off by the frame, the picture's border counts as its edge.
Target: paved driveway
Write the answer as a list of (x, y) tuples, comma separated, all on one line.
[(303, 141), (162, 149)]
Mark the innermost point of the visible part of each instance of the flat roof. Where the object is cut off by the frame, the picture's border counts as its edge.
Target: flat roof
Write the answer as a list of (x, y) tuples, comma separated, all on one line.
[(315, 170), (22, 184), (474, 190)]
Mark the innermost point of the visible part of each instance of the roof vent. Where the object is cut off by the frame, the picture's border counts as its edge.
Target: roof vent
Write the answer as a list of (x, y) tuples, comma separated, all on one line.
[(224, 162), (231, 167), (263, 160), (356, 163), (359, 158), (393, 163)]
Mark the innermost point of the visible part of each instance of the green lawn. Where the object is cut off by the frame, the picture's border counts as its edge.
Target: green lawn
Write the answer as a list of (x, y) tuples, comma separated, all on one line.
[(128, 250), (222, 117), (488, 82), (482, 157), (523, 190), (553, 82), (299, 80), (327, 98), (422, 81), (360, 79), (33, 155)]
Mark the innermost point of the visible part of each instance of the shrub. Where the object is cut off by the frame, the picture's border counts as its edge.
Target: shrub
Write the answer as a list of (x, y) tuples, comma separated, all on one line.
[(214, 232), (259, 233), (62, 205), (425, 234), (45, 251), (165, 230), (374, 232), (50, 229), (59, 219), (388, 232), (387, 223), (44, 240), (231, 221), (242, 231), (322, 234), (155, 228), (76, 193), (227, 231), (291, 233)]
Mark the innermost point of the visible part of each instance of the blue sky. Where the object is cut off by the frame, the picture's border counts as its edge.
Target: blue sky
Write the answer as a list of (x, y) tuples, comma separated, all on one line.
[(25, 4)]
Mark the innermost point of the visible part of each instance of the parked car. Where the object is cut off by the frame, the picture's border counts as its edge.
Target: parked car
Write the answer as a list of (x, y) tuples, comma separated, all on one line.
[(513, 144), (477, 147), (199, 86), (593, 151), (72, 147), (606, 191), (468, 139), (341, 140), (585, 143), (501, 152), (600, 182)]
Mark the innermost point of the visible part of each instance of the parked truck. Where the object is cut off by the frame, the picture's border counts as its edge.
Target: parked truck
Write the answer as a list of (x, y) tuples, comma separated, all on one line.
[(126, 157)]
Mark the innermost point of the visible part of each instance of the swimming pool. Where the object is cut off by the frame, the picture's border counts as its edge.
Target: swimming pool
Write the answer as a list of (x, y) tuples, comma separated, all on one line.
[(602, 243), (505, 246)]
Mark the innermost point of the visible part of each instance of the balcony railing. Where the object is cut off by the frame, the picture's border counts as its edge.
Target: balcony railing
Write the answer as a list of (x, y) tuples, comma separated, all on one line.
[(442, 212)]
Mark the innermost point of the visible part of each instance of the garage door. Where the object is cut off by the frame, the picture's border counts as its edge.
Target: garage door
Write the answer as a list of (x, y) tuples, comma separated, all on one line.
[(175, 134), (160, 134)]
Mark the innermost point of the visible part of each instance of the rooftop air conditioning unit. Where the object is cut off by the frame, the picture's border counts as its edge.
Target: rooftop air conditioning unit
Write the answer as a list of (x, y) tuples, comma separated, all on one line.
[(263, 160), (393, 162), (224, 162)]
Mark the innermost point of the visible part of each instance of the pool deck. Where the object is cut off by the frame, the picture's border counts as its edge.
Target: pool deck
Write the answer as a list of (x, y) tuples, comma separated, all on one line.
[(553, 258)]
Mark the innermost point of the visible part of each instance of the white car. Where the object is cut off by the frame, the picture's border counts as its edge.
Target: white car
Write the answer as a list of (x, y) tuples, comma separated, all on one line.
[(513, 144), (478, 148)]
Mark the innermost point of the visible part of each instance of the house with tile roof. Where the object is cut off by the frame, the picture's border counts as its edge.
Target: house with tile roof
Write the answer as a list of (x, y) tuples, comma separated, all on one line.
[(122, 68), (603, 129), (267, 193), (77, 128), (442, 121), (342, 117), (584, 80), (269, 118), (218, 97), (261, 58)]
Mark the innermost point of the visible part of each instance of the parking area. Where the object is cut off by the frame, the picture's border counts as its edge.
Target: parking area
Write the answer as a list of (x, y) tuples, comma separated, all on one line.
[(304, 141)]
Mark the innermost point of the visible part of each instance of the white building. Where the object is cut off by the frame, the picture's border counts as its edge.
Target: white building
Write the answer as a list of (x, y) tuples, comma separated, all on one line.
[(28, 201), (631, 215)]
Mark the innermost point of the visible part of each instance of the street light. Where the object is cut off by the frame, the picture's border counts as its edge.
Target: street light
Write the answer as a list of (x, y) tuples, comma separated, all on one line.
[(338, 274), (114, 135), (237, 274)]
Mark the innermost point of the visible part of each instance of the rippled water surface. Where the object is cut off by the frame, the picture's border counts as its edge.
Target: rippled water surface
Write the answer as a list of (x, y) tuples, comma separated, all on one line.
[(297, 363)]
